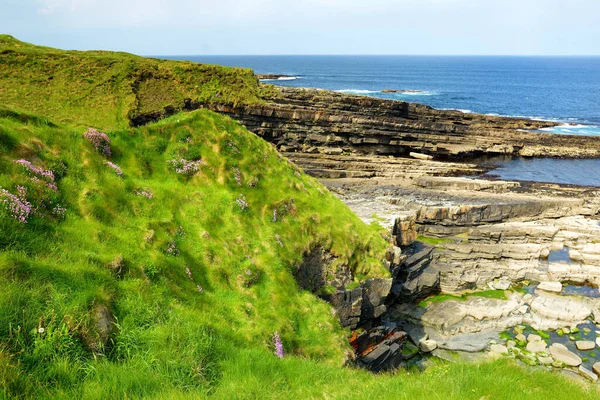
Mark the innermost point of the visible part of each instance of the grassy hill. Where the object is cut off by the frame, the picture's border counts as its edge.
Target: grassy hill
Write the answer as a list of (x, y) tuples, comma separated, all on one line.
[(108, 90), (157, 261)]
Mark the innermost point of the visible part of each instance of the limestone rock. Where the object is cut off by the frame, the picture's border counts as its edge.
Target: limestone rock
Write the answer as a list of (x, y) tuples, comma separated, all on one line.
[(555, 287), (545, 360), (499, 349), (532, 337), (536, 347), (596, 368), (586, 373), (585, 345), (561, 353), (427, 345)]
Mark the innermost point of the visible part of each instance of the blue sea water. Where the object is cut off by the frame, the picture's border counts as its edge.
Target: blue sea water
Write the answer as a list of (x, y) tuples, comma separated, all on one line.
[(562, 89)]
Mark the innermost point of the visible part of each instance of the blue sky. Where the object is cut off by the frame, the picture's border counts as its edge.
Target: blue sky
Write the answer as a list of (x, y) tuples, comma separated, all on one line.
[(169, 27)]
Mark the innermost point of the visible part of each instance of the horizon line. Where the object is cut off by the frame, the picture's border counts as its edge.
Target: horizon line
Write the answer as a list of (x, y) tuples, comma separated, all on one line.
[(371, 55)]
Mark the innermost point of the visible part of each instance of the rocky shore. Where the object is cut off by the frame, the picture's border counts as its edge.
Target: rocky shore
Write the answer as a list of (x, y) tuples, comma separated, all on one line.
[(330, 123), (466, 254)]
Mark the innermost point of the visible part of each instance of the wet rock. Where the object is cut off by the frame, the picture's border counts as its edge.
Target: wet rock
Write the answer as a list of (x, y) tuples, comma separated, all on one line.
[(562, 354), (585, 345)]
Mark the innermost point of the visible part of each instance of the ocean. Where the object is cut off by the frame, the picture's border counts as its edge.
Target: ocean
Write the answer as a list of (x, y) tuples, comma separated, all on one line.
[(561, 89)]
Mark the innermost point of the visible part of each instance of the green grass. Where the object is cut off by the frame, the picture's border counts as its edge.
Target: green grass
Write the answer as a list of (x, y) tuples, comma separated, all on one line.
[(438, 298), (109, 252), (55, 273), (107, 89), (432, 240)]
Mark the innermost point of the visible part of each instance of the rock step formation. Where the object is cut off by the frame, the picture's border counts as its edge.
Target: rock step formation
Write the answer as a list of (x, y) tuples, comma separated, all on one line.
[(302, 119)]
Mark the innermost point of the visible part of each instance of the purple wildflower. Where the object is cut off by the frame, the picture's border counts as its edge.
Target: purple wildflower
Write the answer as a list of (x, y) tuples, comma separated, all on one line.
[(99, 140), (115, 168), (59, 211), (278, 240), (274, 215), (40, 172), (185, 167), (172, 249), (199, 288), (146, 193), (241, 201), (18, 208), (180, 231), (278, 345), (188, 272)]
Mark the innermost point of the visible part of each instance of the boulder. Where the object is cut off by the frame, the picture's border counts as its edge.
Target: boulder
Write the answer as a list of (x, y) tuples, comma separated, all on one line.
[(564, 355)]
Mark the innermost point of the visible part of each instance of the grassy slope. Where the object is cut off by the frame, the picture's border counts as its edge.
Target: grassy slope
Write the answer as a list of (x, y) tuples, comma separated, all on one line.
[(105, 89), (173, 341), (54, 272)]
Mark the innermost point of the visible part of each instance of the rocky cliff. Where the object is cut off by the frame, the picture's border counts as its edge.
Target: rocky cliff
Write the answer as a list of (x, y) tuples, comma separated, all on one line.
[(325, 122)]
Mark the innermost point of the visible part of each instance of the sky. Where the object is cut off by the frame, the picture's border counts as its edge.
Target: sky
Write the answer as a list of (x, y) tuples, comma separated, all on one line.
[(201, 27)]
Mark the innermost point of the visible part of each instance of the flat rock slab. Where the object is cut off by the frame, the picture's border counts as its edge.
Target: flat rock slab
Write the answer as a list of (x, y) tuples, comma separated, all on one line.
[(555, 287), (562, 354), (585, 345), (560, 308), (499, 349), (536, 347), (470, 342)]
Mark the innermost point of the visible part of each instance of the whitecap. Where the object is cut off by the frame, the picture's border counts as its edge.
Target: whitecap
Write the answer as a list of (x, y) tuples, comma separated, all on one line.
[(282, 78), (357, 91)]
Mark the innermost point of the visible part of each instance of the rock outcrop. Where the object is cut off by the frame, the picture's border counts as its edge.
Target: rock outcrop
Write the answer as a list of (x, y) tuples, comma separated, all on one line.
[(325, 122)]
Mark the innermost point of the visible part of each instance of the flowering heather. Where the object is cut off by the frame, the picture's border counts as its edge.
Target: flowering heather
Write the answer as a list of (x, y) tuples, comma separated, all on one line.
[(185, 167), (188, 272), (115, 168), (172, 249), (199, 288), (180, 231), (40, 172), (241, 201), (99, 140), (59, 211), (274, 215), (278, 345), (18, 208), (146, 193)]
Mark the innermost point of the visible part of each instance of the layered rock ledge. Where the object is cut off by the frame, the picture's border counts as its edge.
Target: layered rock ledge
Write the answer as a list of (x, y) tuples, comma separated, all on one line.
[(325, 122)]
